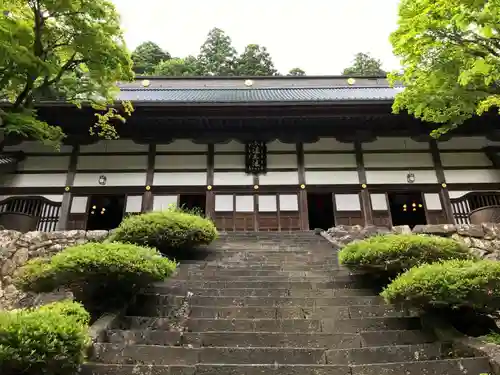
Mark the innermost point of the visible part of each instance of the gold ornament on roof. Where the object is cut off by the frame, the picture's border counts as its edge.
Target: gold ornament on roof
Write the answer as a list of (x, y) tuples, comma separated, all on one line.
[(351, 81), (146, 83)]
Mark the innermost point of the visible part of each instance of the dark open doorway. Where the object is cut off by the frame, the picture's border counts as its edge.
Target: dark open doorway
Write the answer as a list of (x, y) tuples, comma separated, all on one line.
[(196, 202), (407, 209), (320, 210), (105, 212)]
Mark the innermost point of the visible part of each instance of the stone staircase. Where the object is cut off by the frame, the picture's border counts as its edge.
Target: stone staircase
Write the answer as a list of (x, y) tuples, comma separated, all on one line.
[(270, 303)]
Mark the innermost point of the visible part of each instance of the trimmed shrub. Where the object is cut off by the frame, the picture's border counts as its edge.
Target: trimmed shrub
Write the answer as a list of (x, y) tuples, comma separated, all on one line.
[(169, 231), (449, 284), (395, 253), (49, 340), (102, 276)]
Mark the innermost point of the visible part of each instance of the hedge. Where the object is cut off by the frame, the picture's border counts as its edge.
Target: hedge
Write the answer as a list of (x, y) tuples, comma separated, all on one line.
[(395, 253), (169, 231), (101, 275), (449, 284), (51, 340)]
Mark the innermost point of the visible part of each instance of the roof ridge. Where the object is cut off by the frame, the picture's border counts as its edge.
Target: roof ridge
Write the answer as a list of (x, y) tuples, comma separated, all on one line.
[(253, 88)]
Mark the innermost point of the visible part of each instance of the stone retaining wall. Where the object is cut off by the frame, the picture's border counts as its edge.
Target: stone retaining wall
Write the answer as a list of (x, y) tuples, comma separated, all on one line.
[(483, 240), (17, 248)]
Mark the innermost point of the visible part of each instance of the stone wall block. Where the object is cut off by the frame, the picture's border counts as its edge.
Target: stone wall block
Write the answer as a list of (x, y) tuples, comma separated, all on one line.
[(436, 230), (20, 257), (491, 231), (8, 267), (402, 229), (470, 230)]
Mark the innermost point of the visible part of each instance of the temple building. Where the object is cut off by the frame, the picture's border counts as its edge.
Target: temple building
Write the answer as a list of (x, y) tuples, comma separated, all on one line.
[(254, 154)]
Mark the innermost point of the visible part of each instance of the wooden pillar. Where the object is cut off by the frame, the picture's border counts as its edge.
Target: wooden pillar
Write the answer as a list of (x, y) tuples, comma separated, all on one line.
[(256, 182), (147, 198), (443, 192), (70, 179), (365, 194), (210, 196), (303, 208)]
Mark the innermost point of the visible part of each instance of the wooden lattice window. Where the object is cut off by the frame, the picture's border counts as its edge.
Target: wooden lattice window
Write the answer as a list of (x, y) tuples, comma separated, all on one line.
[(256, 157)]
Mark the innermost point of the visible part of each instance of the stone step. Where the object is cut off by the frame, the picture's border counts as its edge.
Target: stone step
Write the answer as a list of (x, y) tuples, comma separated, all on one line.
[(171, 355), (166, 301), (239, 284), (353, 325), (259, 292), (202, 268), (230, 274), (470, 366), (268, 339)]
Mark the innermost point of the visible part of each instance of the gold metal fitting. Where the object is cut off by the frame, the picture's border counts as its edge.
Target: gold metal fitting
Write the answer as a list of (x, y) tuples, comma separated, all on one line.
[(148, 188), (209, 187)]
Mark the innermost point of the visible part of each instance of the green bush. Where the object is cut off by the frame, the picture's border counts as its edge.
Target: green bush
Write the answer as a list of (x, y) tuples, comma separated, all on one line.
[(50, 340), (101, 275), (395, 253), (449, 284), (169, 231)]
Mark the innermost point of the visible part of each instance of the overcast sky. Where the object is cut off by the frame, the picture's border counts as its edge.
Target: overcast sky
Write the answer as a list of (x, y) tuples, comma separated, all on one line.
[(319, 36)]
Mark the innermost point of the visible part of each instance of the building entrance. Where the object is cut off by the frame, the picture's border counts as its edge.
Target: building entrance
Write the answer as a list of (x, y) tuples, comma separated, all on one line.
[(105, 212), (196, 202), (320, 210), (407, 209)]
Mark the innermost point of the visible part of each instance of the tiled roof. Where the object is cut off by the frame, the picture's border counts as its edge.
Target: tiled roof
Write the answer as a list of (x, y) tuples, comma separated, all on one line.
[(257, 95)]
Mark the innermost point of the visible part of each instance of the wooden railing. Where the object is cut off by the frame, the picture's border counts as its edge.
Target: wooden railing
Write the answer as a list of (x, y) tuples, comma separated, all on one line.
[(26, 214), (463, 206)]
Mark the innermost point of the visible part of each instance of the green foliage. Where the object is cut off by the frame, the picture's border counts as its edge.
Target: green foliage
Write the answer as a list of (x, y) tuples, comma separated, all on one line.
[(450, 52), (364, 65), (453, 283), (177, 67), (147, 56), (217, 54), (169, 231), (395, 253), (60, 50), (101, 275), (255, 61), (296, 72), (50, 340)]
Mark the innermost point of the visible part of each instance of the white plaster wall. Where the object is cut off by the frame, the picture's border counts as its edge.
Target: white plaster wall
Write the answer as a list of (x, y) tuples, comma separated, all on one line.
[(289, 202), (113, 179), (268, 203), (398, 160), (280, 146), (224, 203), (134, 203), (400, 177), (79, 205), (162, 202), (118, 162), (229, 161), (232, 178), (332, 178), (183, 162), (36, 147), (395, 143), (180, 145), (457, 193), (282, 161), (432, 201), (465, 159), (330, 161), (34, 180), (41, 163), (379, 202), (114, 146), (231, 146), (279, 178), (244, 203), (472, 176), (180, 178), (328, 144), (466, 143), (347, 202)]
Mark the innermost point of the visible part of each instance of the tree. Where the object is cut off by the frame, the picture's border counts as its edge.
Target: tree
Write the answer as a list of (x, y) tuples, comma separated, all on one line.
[(255, 61), (217, 55), (64, 50), (146, 56), (450, 52), (364, 65), (177, 67), (296, 72)]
